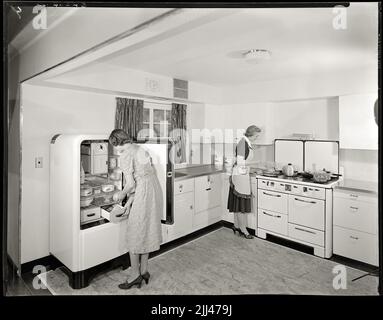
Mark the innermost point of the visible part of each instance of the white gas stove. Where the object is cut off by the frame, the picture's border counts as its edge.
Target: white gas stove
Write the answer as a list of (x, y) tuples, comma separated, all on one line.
[(298, 210)]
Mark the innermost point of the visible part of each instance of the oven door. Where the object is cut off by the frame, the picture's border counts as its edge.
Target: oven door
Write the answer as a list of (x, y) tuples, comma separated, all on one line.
[(307, 212)]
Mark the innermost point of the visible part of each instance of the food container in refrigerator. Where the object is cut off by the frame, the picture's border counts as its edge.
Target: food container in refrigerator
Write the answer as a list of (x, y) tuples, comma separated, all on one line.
[(97, 190), (108, 197), (86, 201), (86, 191), (107, 187)]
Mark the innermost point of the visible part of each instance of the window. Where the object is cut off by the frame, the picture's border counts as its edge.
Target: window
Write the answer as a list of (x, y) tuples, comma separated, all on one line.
[(156, 120)]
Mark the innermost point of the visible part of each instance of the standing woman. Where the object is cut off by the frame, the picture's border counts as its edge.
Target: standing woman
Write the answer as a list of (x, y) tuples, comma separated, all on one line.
[(143, 234), (239, 200)]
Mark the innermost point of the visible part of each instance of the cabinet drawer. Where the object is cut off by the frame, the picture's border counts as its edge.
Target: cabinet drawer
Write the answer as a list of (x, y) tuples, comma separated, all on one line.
[(356, 245), (90, 214), (306, 234), (208, 192), (273, 201), (204, 218), (272, 221), (183, 186), (306, 211), (357, 215), (355, 196)]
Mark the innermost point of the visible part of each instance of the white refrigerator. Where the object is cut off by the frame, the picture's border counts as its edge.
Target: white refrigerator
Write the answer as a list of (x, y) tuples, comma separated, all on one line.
[(81, 246)]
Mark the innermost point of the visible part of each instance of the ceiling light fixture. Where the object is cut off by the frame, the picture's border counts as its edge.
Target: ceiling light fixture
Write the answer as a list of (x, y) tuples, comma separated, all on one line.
[(257, 54)]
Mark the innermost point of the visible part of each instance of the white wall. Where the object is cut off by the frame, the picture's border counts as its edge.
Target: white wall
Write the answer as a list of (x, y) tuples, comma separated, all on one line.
[(360, 164), (46, 112), (319, 116)]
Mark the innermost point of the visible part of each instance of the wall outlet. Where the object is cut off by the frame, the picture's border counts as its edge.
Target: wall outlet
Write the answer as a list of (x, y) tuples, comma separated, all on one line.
[(39, 162)]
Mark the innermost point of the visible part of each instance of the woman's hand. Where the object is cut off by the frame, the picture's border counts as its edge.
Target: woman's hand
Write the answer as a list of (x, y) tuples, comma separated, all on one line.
[(118, 196)]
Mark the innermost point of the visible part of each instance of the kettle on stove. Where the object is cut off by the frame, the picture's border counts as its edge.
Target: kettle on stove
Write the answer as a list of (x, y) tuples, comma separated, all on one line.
[(288, 170)]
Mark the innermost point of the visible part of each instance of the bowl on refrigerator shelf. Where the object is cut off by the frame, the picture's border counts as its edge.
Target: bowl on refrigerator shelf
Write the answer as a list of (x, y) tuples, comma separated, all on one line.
[(86, 201), (107, 187), (86, 191)]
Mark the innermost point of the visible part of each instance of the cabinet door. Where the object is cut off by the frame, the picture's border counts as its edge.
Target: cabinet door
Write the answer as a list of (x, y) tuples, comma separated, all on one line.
[(183, 215), (208, 192), (227, 216), (357, 127)]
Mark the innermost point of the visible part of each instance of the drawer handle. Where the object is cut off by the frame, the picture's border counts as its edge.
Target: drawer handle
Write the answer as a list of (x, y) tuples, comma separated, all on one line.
[(272, 195), (90, 214), (191, 207), (313, 202), (355, 238), (304, 230), (208, 189), (354, 195), (271, 215), (354, 208)]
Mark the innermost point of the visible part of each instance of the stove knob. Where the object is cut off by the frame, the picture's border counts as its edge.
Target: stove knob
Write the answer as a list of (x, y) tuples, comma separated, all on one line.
[(304, 189)]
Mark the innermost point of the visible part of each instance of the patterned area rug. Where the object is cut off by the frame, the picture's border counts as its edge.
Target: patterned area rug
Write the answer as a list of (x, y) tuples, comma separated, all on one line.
[(220, 263)]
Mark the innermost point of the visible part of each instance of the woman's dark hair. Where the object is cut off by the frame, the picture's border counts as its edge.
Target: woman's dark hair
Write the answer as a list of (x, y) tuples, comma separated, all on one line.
[(252, 130), (119, 137)]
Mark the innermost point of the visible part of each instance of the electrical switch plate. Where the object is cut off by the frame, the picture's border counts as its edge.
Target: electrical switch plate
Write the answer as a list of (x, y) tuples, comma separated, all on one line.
[(39, 162)]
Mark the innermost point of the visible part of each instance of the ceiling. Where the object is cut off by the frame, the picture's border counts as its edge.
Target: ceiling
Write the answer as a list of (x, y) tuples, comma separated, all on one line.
[(302, 42)]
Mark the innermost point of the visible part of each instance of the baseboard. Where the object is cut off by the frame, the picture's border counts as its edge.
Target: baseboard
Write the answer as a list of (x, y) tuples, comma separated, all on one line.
[(50, 262)]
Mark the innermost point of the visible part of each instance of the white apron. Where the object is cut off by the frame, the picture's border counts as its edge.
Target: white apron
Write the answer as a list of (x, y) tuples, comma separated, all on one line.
[(240, 176)]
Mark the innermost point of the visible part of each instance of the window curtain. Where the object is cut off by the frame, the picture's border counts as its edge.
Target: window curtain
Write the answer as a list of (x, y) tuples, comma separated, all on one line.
[(129, 116), (178, 134)]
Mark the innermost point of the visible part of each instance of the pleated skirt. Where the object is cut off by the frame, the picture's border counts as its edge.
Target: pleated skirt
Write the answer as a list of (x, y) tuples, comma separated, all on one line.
[(236, 203)]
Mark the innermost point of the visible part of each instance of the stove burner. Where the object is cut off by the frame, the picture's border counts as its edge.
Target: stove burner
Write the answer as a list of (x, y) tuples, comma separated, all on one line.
[(301, 178)]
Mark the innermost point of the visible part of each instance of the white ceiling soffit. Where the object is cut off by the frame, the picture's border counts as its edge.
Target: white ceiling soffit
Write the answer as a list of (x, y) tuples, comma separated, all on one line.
[(172, 22), (302, 41)]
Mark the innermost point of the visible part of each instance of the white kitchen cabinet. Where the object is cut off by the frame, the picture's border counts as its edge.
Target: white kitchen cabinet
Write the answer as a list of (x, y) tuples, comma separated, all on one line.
[(183, 216), (357, 127), (208, 192), (208, 200), (226, 215), (356, 225)]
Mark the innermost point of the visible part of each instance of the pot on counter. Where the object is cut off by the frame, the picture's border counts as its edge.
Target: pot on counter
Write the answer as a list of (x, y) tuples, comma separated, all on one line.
[(288, 170), (321, 176)]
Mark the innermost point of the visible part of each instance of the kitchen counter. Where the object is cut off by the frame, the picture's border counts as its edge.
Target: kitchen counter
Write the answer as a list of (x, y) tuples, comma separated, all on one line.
[(358, 185), (197, 171)]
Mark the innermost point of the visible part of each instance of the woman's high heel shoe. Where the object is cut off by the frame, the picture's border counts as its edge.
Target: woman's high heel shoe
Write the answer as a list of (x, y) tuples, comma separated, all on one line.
[(146, 277), (235, 229), (127, 285), (246, 236)]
